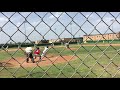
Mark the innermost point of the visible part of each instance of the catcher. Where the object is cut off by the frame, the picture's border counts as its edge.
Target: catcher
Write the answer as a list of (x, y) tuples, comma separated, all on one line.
[(37, 53)]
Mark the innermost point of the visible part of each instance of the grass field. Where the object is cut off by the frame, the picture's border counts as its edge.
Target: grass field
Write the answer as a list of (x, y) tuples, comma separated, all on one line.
[(104, 42), (91, 62)]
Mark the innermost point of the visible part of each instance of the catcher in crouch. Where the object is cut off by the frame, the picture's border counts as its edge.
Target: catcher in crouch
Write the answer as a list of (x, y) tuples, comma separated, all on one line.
[(37, 53)]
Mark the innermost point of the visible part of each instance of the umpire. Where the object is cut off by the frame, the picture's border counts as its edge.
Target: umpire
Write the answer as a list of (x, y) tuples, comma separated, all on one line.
[(29, 53)]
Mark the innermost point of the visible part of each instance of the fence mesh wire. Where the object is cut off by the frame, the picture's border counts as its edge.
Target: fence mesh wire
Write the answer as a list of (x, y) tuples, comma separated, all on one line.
[(81, 44)]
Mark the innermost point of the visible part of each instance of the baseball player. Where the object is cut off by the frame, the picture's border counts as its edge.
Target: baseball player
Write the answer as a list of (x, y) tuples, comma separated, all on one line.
[(29, 53), (37, 53), (44, 51), (7, 48), (67, 45)]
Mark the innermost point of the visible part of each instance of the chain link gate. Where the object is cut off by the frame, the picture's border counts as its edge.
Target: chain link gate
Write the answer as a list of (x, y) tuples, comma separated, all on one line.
[(81, 44)]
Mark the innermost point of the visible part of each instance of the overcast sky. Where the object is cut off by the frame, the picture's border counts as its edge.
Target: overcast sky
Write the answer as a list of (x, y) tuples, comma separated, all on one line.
[(41, 25)]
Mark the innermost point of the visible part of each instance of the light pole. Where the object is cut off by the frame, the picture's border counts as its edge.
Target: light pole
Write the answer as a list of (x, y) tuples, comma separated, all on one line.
[(112, 20), (0, 33), (54, 39), (79, 39), (71, 29), (25, 30), (55, 31)]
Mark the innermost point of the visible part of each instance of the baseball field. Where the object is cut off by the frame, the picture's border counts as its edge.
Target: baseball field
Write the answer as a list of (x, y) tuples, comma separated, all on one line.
[(79, 61)]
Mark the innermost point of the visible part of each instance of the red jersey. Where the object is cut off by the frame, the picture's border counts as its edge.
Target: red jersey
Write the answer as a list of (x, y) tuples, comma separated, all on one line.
[(37, 51)]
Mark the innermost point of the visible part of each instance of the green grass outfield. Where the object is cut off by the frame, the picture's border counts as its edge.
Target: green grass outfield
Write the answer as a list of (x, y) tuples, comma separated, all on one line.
[(81, 67), (104, 42)]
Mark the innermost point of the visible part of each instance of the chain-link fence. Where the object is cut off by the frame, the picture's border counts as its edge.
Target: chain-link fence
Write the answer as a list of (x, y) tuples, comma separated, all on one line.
[(64, 44)]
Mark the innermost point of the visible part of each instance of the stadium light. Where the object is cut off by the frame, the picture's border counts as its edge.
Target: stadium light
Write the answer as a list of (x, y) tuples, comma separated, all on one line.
[(112, 20), (71, 29), (55, 31), (0, 35), (25, 30)]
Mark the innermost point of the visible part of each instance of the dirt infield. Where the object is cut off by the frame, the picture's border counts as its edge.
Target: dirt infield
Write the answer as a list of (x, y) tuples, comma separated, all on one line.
[(45, 61)]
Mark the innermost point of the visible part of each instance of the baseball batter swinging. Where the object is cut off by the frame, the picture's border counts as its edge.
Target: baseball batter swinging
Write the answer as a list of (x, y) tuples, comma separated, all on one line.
[(44, 52)]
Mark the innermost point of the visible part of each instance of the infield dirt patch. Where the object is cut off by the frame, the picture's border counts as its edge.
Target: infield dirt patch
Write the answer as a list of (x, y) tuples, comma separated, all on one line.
[(21, 62)]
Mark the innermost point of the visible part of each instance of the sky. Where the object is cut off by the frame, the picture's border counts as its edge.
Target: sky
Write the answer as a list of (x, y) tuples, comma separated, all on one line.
[(53, 25)]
